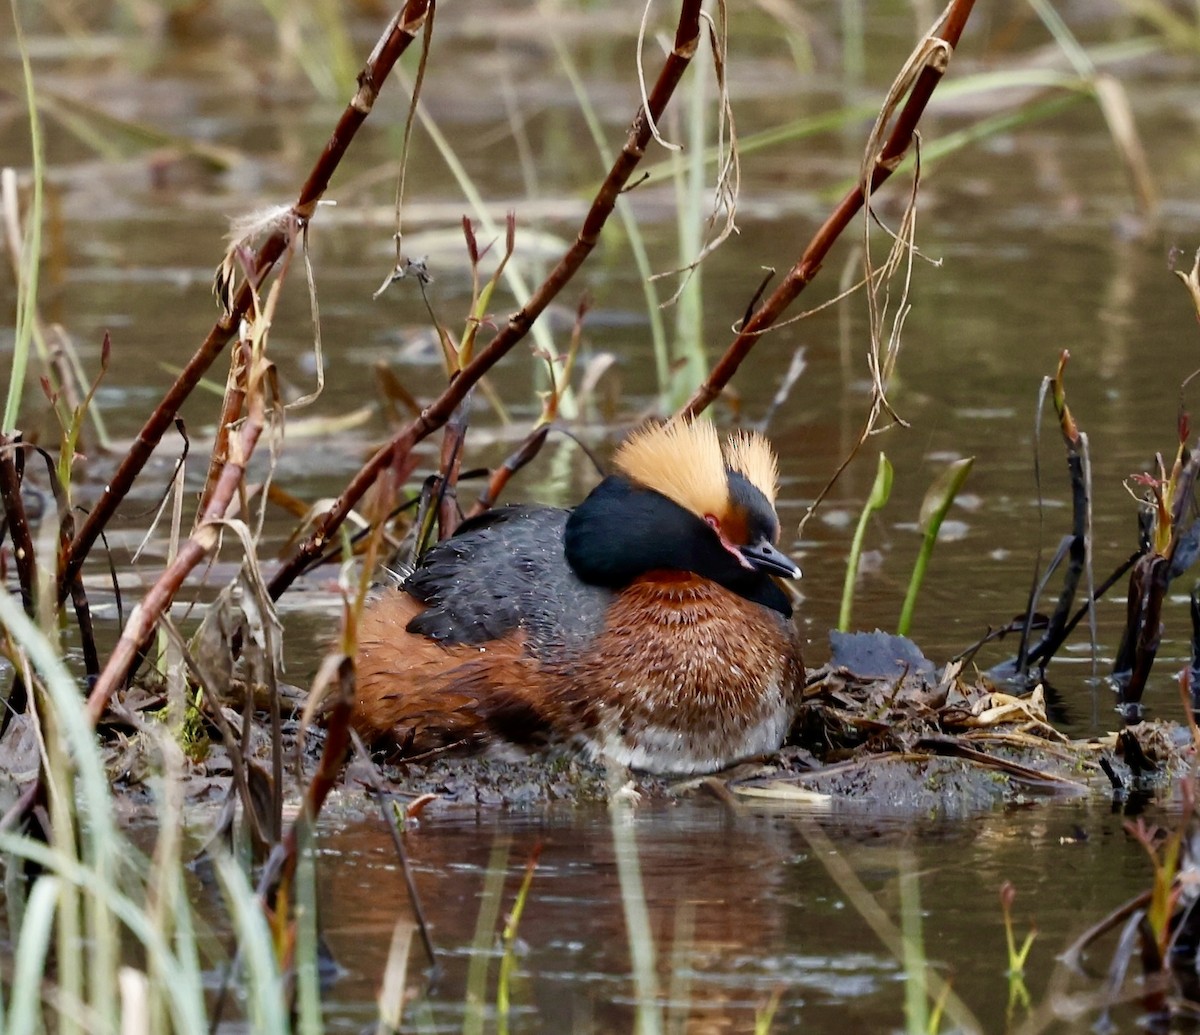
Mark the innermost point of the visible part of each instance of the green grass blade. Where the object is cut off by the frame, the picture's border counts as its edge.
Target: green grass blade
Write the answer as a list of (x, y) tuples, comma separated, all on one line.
[(29, 964), (880, 491), (937, 502), (308, 977), (508, 962), (101, 849), (263, 985), (916, 987), (631, 227), (188, 1015), (31, 250), (1065, 39), (95, 801), (189, 973), (485, 937), (691, 362)]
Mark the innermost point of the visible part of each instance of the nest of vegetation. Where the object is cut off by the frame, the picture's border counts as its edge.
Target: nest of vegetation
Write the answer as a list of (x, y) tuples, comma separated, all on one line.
[(880, 729)]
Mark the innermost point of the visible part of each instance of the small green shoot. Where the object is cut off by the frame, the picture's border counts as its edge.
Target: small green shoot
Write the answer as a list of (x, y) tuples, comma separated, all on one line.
[(934, 508), (484, 938), (764, 1016), (880, 492), (513, 278), (481, 297), (509, 960), (939, 1008), (1164, 894), (1016, 957), (1018, 994)]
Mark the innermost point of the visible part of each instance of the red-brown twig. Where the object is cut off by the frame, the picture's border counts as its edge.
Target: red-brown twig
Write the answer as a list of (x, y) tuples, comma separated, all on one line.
[(281, 867), (231, 409), (809, 264), (525, 452), (395, 40), (11, 456), (687, 36), (202, 541), (453, 444)]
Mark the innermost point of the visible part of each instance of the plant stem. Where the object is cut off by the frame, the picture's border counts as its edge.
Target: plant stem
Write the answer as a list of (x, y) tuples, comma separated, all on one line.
[(400, 33), (880, 492), (808, 265), (687, 36)]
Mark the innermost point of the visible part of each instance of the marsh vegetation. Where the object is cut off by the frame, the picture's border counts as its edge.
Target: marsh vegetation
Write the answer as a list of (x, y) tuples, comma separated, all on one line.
[(464, 286)]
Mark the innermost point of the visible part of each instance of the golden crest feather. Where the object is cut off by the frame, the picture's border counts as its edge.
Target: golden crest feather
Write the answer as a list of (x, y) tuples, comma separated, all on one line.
[(751, 455), (682, 460)]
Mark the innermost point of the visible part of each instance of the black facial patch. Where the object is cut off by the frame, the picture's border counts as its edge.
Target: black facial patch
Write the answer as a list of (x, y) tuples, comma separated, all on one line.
[(761, 522), (622, 531)]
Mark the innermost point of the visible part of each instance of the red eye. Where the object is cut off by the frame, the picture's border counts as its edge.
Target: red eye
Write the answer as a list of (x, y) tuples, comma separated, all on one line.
[(712, 522)]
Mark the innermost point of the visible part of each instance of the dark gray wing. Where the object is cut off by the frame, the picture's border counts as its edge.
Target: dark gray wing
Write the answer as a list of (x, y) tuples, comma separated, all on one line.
[(504, 572)]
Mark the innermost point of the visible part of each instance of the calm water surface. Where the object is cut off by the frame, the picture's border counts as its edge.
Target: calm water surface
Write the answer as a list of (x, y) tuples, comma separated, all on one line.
[(1038, 248), (741, 907)]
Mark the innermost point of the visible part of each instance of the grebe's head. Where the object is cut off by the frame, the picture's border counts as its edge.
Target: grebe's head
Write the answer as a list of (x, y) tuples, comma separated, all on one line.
[(679, 501)]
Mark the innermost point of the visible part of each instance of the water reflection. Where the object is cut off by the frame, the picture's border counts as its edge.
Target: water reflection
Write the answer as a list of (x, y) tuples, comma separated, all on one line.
[(742, 907)]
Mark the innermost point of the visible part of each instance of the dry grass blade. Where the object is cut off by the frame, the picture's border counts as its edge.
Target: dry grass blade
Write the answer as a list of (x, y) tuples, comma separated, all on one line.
[(932, 52), (315, 313), (60, 362), (1114, 103), (395, 979), (260, 390), (1114, 106), (403, 265), (231, 410), (729, 169), (1191, 281), (652, 117), (198, 546)]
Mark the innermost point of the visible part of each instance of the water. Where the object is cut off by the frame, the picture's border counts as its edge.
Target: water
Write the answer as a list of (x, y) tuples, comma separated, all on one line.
[(1039, 249), (741, 907)]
